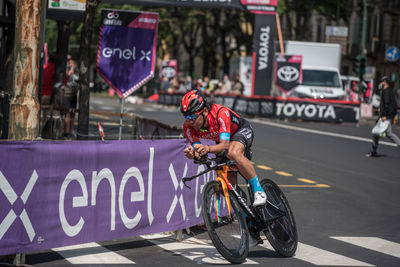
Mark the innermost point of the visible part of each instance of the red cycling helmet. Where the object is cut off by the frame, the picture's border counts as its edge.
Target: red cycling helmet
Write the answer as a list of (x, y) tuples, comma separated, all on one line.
[(192, 102)]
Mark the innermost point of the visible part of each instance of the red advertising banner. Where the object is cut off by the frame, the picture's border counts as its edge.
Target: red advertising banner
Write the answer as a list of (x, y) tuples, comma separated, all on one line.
[(288, 73)]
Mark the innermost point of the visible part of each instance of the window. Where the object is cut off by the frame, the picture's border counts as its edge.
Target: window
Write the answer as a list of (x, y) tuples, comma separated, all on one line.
[(320, 78)]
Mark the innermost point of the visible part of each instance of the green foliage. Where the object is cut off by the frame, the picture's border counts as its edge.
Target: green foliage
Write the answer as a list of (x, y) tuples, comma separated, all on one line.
[(51, 34), (206, 33)]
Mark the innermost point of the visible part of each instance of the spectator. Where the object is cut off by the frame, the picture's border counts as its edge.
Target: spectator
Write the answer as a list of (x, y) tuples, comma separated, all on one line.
[(238, 86), (188, 83), (398, 105), (225, 87), (205, 85), (46, 95), (165, 84), (174, 87), (387, 111), (199, 84), (213, 86), (70, 98), (48, 76)]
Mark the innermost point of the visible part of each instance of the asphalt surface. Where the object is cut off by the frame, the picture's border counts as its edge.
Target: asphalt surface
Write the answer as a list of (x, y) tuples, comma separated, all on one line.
[(347, 206)]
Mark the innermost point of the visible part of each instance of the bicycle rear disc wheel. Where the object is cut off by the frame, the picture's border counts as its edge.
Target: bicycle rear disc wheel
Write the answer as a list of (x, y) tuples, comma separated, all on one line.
[(227, 230), (281, 233)]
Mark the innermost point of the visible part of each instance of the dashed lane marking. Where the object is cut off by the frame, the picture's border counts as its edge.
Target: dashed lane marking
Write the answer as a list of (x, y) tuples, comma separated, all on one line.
[(373, 243), (264, 167), (195, 250), (321, 257), (91, 253), (308, 181), (283, 173), (305, 185)]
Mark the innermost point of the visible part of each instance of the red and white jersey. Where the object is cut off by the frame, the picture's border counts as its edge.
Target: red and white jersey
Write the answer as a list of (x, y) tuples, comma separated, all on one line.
[(222, 124)]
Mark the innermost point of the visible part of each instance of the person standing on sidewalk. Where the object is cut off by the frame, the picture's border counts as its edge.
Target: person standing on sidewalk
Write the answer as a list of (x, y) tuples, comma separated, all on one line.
[(387, 111), (70, 98)]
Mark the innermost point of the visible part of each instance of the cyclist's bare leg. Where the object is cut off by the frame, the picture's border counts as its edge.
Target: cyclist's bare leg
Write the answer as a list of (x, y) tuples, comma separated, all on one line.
[(246, 168), (236, 153), (67, 124)]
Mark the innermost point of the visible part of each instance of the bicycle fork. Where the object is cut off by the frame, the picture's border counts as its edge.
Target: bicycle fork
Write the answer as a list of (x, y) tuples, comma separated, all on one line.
[(218, 200), (222, 178)]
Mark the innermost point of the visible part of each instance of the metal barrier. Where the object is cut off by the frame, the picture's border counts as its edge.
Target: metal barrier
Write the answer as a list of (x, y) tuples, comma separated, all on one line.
[(4, 114), (138, 127), (152, 129)]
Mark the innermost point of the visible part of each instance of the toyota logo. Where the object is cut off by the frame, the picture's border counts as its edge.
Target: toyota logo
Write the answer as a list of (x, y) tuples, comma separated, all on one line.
[(168, 72), (288, 74)]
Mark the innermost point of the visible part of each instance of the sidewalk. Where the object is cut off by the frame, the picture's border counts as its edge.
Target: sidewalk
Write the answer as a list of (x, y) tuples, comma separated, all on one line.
[(372, 120)]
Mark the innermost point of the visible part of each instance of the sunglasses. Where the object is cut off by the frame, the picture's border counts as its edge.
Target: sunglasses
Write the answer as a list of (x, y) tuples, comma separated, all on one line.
[(191, 117)]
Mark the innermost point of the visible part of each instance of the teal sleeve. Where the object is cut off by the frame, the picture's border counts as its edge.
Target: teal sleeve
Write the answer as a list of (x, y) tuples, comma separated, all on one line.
[(225, 136)]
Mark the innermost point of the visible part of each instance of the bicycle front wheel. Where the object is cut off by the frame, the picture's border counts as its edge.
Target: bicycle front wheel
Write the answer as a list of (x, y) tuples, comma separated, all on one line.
[(226, 227), (281, 233)]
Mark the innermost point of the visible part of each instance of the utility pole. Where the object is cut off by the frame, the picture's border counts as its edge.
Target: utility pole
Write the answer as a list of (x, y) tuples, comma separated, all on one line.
[(362, 57), (364, 28), (24, 106)]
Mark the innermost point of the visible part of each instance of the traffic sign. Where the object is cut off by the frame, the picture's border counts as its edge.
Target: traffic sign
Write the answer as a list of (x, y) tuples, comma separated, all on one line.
[(392, 54)]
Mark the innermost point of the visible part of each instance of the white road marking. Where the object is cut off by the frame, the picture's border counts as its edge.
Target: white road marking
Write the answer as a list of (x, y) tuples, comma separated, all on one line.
[(91, 253), (369, 140), (108, 108), (321, 257), (203, 252), (195, 250), (373, 243)]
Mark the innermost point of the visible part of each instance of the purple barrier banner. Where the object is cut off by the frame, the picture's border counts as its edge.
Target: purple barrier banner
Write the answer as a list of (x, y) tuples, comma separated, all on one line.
[(55, 194), (127, 49)]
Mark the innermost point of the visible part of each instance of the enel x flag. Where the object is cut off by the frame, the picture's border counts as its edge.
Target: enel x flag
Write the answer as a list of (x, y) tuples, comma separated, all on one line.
[(127, 49)]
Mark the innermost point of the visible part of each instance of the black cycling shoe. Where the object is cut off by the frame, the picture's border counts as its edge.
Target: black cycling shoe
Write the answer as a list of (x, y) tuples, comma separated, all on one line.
[(254, 238), (371, 154)]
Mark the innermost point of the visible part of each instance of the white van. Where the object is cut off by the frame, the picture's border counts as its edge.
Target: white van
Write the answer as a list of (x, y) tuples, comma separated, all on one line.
[(320, 67)]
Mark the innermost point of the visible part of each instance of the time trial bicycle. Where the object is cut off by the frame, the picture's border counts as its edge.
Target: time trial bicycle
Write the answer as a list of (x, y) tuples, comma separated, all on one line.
[(230, 219)]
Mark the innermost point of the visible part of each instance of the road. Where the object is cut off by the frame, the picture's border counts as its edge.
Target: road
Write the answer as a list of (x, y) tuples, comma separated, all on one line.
[(346, 206)]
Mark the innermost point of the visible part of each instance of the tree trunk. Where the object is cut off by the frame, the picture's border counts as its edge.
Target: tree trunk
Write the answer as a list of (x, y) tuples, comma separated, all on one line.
[(9, 61), (24, 107), (206, 50), (225, 58), (84, 94), (63, 34)]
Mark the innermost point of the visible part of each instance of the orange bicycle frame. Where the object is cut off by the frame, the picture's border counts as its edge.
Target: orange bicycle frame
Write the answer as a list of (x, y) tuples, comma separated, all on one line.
[(222, 177)]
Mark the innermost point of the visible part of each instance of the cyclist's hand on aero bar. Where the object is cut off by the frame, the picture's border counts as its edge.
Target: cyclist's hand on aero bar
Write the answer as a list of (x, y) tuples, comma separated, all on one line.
[(189, 152), (201, 149)]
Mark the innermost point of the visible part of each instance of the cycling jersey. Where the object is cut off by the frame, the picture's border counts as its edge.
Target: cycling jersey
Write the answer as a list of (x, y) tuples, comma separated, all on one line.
[(222, 124)]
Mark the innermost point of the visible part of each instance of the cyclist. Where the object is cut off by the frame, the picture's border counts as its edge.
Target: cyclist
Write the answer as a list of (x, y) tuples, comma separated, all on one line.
[(230, 132)]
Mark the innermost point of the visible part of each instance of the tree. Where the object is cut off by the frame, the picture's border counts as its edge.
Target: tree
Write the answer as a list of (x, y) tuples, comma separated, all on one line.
[(24, 106), (84, 63), (297, 14), (190, 27), (63, 33), (9, 61)]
